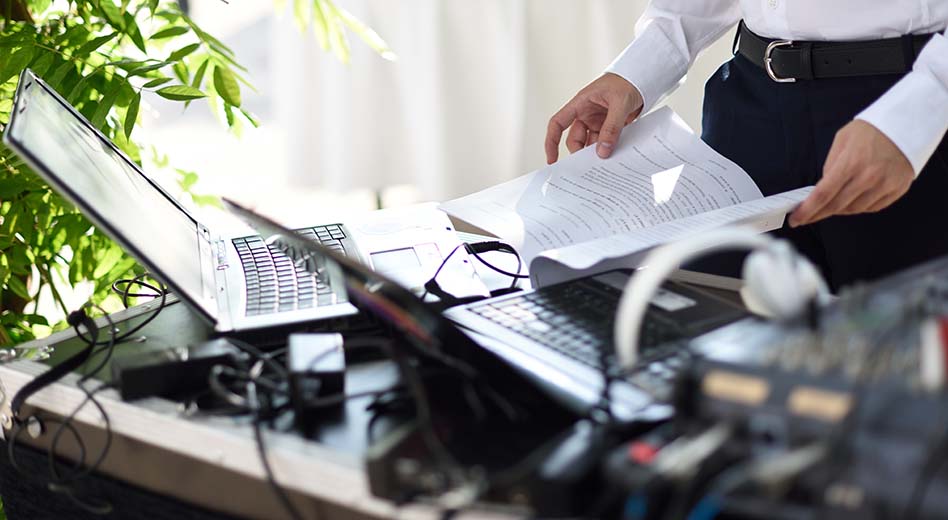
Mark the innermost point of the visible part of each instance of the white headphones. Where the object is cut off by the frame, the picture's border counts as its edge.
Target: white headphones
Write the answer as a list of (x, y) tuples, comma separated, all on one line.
[(777, 279)]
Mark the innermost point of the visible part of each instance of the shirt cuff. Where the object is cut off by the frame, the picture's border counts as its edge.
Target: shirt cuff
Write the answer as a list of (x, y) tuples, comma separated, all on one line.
[(914, 112), (651, 63)]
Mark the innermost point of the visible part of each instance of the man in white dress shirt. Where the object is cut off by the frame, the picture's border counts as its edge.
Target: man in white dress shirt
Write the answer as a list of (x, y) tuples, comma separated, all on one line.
[(849, 95)]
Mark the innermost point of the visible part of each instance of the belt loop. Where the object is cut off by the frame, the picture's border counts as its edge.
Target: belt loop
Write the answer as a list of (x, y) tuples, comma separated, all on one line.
[(806, 60), (737, 38)]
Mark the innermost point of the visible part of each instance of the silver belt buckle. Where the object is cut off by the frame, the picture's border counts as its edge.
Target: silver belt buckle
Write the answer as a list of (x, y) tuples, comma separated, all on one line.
[(768, 61)]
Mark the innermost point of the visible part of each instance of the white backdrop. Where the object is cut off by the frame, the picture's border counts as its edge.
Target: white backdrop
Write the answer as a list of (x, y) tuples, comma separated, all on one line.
[(467, 102)]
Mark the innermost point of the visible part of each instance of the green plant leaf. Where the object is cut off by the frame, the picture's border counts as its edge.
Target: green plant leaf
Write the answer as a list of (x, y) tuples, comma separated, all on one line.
[(131, 115), (169, 32), (320, 24), (131, 28), (57, 238), (299, 12), (229, 113), (338, 40), (199, 75), (59, 74), (156, 82), (226, 85), (187, 179), (77, 89), (183, 51), (15, 283), (111, 13), (16, 63), (91, 46), (250, 117), (107, 262), (41, 65), (35, 319), (126, 64), (180, 93), (37, 7), (207, 200), (105, 104), (181, 72), (15, 40), (138, 71), (369, 36)]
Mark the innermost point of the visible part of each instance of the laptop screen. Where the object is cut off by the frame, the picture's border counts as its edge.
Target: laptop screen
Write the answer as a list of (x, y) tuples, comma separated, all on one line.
[(107, 187)]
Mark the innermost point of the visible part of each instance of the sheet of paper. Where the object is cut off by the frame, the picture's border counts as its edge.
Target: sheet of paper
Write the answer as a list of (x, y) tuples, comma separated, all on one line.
[(627, 250), (659, 172)]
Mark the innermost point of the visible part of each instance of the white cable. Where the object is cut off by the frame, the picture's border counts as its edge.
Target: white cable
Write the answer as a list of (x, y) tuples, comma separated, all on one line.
[(660, 263)]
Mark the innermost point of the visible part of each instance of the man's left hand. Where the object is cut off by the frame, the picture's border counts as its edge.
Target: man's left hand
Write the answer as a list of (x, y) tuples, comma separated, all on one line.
[(864, 172)]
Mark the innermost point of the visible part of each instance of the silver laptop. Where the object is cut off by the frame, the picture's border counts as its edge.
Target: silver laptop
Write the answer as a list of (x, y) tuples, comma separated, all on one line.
[(236, 282)]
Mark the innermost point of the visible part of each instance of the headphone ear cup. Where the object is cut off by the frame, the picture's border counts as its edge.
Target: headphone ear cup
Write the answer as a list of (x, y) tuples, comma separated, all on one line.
[(780, 282), (761, 293), (811, 280)]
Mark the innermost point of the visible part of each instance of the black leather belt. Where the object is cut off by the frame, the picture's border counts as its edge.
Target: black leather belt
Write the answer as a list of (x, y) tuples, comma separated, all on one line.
[(787, 61)]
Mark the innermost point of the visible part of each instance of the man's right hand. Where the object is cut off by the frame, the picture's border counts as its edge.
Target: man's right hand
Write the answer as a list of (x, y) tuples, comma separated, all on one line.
[(596, 114)]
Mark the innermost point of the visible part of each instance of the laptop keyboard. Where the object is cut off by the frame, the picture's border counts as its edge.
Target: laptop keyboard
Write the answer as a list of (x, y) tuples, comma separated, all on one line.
[(577, 318), (276, 284)]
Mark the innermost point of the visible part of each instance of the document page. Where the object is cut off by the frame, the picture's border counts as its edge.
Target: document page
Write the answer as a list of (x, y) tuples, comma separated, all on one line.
[(627, 250), (660, 171)]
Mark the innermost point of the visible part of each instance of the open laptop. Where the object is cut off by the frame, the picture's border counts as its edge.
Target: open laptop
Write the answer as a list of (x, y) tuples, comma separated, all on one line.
[(553, 336), (236, 283), (558, 333)]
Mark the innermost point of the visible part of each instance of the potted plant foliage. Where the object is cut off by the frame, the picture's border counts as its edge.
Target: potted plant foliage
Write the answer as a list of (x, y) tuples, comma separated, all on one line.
[(105, 57)]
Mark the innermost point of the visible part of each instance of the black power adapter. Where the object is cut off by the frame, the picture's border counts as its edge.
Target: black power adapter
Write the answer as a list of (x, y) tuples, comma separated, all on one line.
[(177, 374)]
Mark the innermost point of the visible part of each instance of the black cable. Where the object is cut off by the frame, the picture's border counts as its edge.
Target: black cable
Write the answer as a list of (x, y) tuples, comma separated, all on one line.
[(382, 407), (476, 250), (133, 330), (260, 355), (444, 262), (501, 271), (262, 452), (60, 483), (109, 348), (67, 422), (605, 397), (100, 508), (18, 428), (129, 282)]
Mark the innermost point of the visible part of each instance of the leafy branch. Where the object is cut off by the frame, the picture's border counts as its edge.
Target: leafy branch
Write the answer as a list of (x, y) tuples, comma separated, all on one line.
[(106, 57), (98, 56), (330, 23)]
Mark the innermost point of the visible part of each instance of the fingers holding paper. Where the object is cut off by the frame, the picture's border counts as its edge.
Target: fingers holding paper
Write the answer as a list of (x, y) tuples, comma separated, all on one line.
[(596, 114), (864, 172)]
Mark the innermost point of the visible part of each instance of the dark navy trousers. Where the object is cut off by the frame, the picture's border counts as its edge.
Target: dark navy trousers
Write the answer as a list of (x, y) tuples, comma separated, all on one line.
[(780, 133)]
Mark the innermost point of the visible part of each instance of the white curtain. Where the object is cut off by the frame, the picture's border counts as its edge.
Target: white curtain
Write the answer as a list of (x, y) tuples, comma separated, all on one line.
[(466, 103)]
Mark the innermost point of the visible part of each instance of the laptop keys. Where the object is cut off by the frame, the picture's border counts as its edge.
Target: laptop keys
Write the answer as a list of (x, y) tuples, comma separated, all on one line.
[(275, 283), (575, 319)]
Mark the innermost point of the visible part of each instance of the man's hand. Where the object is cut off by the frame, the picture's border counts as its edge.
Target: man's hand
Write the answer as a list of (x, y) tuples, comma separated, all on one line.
[(864, 172), (596, 114)]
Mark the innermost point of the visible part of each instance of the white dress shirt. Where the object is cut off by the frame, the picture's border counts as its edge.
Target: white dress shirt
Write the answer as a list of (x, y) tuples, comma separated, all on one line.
[(913, 113)]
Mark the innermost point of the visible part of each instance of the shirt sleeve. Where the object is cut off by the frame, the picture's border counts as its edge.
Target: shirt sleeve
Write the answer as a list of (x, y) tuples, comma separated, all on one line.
[(668, 38), (914, 112)]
